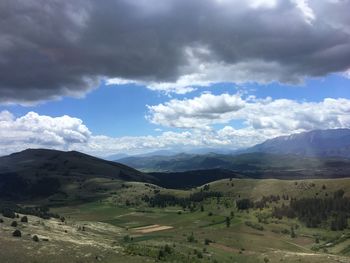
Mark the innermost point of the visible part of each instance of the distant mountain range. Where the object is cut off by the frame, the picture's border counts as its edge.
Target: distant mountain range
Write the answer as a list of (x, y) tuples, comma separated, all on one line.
[(317, 143), (40, 173), (305, 154), (163, 153)]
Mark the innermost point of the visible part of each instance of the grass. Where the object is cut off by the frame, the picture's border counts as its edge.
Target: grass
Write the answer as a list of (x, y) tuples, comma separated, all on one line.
[(237, 243)]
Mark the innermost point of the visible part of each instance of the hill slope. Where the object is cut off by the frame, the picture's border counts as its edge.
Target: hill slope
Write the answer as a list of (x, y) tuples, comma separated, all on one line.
[(41, 172)]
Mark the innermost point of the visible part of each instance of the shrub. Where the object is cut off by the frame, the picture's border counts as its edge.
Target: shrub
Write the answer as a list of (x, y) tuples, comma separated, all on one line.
[(126, 238), (161, 254), (17, 233), (35, 238), (228, 221), (24, 219), (168, 249), (6, 212), (14, 224), (1, 220), (292, 233), (191, 238), (207, 241), (199, 254), (255, 226)]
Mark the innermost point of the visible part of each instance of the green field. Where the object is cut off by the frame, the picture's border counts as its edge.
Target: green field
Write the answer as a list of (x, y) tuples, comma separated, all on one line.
[(122, 227)]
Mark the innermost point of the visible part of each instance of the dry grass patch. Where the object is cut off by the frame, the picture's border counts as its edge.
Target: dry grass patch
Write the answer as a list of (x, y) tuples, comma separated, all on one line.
[(151, 228)]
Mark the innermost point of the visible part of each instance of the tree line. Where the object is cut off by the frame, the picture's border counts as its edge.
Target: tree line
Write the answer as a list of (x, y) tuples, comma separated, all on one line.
[(314, 212)]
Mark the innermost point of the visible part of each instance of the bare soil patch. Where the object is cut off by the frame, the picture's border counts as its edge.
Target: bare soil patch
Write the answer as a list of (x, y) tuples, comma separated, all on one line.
[(151, 228)]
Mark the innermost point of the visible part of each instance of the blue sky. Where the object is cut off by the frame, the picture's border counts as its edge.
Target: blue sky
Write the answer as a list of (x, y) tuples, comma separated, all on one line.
[(119, 110), (116, 76)]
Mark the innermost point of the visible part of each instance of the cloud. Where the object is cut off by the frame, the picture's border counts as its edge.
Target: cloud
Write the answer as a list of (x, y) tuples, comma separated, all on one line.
[(39, 131), (281, 115), (198, 112), (263, 119), (68, 133), (308, 13), (50, 49)]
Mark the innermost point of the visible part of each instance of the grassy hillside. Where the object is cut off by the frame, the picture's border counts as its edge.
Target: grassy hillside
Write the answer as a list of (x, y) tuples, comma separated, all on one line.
[(42, 173), (125, 227)]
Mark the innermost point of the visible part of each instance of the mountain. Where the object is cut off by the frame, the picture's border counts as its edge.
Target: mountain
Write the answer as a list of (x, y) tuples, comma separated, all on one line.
[(115, 157), (318, 143), (253, 165), (156, 162), (41, 172)]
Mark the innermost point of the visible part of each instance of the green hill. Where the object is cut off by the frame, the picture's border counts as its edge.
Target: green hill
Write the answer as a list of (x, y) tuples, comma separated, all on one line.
[(42, 173)]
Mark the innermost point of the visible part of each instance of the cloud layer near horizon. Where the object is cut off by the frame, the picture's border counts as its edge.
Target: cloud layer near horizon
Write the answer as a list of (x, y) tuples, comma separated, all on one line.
[(262, 119), (54, 48), (284, 115)]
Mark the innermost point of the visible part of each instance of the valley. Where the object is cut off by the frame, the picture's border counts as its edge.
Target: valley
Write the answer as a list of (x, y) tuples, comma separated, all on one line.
[(58, 206), (124, 226)]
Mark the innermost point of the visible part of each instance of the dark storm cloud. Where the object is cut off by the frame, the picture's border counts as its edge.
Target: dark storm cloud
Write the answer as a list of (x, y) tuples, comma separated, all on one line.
[(54, 48)]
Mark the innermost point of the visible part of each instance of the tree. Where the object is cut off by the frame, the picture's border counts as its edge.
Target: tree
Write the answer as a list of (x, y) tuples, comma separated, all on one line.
[(244, 204), (6, 212), (17, 233), (207, 241), (24, 219), (339, 222), (228, 221), (339, 194), (206, 187), (14, 224), (161, 254), (292, 233)]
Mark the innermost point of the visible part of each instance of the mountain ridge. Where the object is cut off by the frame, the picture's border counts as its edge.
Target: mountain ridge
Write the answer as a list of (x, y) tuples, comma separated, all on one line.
[(317, 143)]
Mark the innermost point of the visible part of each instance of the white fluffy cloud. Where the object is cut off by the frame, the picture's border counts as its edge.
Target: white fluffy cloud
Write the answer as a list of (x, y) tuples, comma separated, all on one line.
[(262, 118), (67, 133), (281, 115), (196, 113), (33, 130)]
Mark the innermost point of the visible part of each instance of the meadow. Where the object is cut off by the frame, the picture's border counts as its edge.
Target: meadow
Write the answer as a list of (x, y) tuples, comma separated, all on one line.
[(123, 227)]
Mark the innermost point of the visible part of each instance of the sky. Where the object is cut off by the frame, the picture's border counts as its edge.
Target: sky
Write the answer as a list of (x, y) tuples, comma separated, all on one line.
[(129, 77)]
